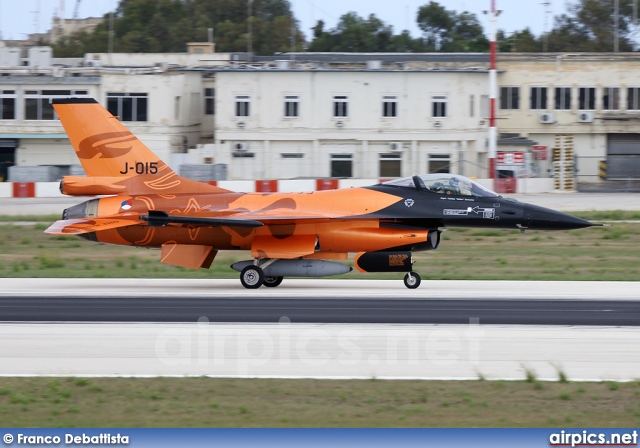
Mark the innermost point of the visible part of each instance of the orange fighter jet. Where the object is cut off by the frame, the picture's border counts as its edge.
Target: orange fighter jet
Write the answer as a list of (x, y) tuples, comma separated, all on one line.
[(288, 234)]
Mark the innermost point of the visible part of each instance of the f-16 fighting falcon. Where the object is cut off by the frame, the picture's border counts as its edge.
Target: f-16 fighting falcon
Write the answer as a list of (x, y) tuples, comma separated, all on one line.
[(288, 234)]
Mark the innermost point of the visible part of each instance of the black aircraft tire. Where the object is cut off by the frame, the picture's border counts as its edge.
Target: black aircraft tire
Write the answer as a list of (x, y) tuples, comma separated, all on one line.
[(252, 277), (414, 282), (272, 282)]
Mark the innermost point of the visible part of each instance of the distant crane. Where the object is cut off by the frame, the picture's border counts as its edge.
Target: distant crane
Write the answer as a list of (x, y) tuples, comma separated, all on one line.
[(76, 9)]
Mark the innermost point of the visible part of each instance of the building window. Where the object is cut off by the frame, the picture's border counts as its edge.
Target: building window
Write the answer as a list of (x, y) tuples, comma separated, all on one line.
[(128, 106), (176, 108), (472, 105), (37, 105), (242, 105), (389, 106), (243, 155), (509, 98), (538, 98), (633, 98), (209, 101), (341, 165), (8, 105), (390, 165), (340, 103), (484, 106), (291, 106), (587, 98), (439, 163), (611, 98), (438, 106), (562, 98)]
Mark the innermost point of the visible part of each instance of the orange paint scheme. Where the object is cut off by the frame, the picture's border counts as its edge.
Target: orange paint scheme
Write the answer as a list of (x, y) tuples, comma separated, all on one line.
[(191, 221)]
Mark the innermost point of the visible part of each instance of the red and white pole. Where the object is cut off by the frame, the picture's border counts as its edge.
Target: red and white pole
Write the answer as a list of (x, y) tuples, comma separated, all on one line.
[(493, 87)]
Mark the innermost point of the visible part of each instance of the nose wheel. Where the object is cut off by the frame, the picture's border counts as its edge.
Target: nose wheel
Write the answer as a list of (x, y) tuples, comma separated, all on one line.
[(412, 280)]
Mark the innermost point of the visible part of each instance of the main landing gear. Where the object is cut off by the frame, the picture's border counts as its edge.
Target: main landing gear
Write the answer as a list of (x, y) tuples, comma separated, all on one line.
[(272, 282), (252, 277)]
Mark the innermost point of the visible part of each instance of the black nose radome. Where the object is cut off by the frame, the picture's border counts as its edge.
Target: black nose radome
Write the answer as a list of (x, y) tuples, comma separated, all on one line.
[(540, 218)]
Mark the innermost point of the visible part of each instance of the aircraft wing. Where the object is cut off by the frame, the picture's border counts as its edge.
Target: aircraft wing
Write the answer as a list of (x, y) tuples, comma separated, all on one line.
[(241, 219), (159, 218), (87, 225)]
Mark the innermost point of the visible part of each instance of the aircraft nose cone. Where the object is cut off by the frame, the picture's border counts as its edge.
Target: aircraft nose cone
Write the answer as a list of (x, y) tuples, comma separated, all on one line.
[(540, 218)]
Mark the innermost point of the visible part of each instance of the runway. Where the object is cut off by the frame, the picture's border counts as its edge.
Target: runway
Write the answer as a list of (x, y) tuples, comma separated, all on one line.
[(265, 333), (319, 310), (320, 301)]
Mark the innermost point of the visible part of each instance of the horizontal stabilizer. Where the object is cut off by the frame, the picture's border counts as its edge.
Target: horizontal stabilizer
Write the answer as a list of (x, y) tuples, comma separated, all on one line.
[(159, 218), (87, 225)]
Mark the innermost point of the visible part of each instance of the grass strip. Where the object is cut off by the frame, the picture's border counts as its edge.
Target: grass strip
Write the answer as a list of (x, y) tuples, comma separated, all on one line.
[(596, 253), (214, 402)]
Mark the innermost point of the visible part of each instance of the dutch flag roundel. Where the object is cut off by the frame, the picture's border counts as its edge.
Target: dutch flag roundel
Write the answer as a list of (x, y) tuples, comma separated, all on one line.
[(126, 205)]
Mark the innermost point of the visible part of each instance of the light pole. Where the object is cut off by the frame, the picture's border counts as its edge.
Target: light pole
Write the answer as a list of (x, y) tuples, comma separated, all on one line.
[(249, 30), (545, 37), (493, 87)]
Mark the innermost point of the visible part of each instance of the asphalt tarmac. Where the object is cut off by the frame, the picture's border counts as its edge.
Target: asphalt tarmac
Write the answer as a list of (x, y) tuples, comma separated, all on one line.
[(319, 310)]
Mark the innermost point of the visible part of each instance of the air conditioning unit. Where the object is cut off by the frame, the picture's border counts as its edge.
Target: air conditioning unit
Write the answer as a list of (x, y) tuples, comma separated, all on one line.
[(547, 118), (585, 117), (395, 146), (240, 146)]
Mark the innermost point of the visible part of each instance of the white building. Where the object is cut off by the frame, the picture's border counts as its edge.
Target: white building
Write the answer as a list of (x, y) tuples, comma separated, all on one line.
[(349, 123)]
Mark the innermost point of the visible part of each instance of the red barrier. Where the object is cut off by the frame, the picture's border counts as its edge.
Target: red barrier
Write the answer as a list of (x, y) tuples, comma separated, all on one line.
[(24, 189), (266, 186), (326, 184), (505, 185)]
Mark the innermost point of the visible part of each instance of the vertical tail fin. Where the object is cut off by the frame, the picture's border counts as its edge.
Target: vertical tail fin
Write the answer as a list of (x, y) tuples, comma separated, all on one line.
[(106, 148)]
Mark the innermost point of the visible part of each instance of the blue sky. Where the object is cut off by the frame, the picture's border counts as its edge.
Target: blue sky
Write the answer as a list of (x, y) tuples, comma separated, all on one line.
[(18, 18)]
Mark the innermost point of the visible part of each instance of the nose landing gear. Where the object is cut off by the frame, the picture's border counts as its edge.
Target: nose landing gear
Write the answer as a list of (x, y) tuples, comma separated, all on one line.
[(412, 280)]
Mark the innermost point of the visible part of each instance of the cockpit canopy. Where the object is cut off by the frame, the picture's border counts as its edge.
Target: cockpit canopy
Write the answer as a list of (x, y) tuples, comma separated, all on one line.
[(449, 184)]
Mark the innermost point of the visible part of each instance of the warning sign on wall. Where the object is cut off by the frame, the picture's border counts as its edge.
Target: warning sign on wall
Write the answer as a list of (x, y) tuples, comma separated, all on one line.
[(540, 152), (510, 158)]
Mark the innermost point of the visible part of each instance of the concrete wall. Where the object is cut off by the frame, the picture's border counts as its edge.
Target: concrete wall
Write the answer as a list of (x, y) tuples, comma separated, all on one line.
[(52, 189)]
